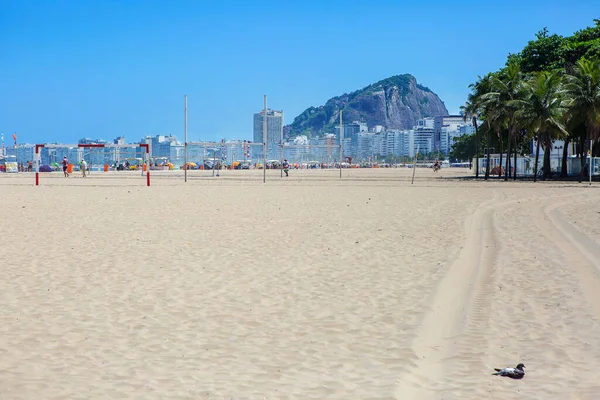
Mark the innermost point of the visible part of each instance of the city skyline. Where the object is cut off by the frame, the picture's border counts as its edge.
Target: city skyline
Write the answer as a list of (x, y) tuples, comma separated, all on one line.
[(360, 143), (106, 69)]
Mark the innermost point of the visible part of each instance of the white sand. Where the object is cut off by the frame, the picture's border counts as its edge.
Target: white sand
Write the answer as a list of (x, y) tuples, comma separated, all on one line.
[(310, 287)]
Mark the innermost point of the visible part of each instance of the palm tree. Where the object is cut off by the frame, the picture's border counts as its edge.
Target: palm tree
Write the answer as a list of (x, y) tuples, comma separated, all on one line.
[(497, 118), (542, 108), (477, 106), (508, 87), (583, 90), (470, 111)]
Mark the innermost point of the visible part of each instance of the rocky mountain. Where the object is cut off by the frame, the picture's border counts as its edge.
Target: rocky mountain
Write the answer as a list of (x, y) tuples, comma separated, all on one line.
[(395, 103)]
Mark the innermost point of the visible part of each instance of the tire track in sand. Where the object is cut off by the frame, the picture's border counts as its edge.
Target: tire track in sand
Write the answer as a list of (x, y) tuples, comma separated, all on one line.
[(451, 343), (581, 250), (458, 304)]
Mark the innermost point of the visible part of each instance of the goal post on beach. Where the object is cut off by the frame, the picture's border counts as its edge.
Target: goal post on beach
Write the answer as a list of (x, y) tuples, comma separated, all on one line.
[(144, 146)]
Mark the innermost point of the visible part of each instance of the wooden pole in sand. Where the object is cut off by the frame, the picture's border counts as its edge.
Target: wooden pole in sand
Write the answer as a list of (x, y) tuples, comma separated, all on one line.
[(185, 144), (281, 148), (414, 167), (341, 141), (265, 141)]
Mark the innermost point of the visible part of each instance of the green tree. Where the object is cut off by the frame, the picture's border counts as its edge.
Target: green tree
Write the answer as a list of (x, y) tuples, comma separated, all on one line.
[(471, 111), (542, 54), (500, 98), (583, 91), (464, 148), (477, 105), (542, 109), (583, 44), (506, 88)]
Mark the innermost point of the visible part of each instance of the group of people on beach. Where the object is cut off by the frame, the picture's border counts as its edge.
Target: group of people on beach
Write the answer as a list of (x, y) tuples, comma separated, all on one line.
[(65, 167)]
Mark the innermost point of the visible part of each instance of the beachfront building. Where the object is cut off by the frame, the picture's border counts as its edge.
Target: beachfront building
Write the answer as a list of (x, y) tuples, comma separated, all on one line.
[(274, 132), (235, 151), (396, 142), (297, 154), (166, 146), (54, 155), (107, 155), (350, 142), (451, 123), (422, 139), (447, 128), (370, 145), (328, 153), (424, 123), (449, 133), (160, 145), (23, 152)]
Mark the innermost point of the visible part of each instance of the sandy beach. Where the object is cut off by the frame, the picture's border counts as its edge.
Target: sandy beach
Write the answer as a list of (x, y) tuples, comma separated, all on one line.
[(307, 287)]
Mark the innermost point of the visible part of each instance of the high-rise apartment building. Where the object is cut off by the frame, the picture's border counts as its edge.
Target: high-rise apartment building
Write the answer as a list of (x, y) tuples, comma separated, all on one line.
[(351, 132), (445, 128), (274, 133)]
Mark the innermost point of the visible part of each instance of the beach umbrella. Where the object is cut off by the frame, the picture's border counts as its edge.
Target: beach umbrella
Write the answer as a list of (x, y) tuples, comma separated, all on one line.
[(192, 164), (55, 165), (45, 168)]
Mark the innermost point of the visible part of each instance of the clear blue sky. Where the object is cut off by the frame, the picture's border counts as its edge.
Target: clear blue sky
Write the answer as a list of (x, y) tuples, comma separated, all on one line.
[(100, 69)]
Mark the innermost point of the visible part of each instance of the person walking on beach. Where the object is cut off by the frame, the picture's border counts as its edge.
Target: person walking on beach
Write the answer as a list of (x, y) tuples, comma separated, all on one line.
[(286, 167), (83, 168), (65, 164)]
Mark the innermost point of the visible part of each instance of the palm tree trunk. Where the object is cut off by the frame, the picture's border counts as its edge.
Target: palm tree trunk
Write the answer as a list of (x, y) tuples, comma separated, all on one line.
[(583, 152), (476, 148), (547, 153), (563, 166), (487, 164), (508, 154), (515, 163), (501, 151), (537, 157)]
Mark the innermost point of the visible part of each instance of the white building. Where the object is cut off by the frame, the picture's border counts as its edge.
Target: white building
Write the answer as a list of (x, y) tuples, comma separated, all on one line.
[(274, 132), (447, 135), (297, 154), (448, 127), (397, 143), (422, 138)]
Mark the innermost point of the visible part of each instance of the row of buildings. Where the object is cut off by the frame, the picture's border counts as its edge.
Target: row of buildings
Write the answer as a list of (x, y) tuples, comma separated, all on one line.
[(360, 142)]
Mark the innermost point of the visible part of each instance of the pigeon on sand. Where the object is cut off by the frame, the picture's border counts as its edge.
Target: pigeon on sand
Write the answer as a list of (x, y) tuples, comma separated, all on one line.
[(515, 373)]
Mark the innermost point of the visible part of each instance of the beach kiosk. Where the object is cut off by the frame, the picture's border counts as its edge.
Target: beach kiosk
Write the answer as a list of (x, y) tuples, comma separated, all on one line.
[(9, 164)]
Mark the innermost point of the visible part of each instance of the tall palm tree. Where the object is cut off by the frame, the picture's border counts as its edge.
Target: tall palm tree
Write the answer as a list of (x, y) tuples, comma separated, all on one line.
[(542, 109), (477, 106), (508, 87), (583, 90), (470, 112), (497, 117)]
